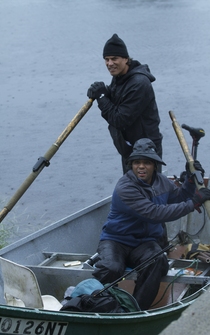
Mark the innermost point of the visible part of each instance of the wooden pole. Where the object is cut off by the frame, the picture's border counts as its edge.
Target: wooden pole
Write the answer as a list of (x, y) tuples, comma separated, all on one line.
[(45, 160), (188, 156)]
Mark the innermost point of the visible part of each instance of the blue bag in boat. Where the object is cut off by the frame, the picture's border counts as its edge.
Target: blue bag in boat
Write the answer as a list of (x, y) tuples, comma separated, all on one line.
[(86, 286)]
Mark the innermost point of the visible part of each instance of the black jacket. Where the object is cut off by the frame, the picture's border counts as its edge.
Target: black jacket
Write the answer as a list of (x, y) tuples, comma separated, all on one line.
[(130, 105)]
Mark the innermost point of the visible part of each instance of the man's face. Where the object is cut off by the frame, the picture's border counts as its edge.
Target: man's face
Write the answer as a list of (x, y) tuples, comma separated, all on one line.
[(143, 169), (117, 66)]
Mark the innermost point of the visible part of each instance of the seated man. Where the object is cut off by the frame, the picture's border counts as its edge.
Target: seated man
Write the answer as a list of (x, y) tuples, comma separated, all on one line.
[(142, 200)]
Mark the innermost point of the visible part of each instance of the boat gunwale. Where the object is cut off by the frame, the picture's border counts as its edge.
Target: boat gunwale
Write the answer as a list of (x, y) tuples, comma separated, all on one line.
[(157, 312), (55, 225)]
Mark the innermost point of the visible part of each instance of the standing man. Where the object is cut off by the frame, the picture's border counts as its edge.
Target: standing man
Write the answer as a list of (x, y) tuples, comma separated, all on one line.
[(128, 103), (141, 201)]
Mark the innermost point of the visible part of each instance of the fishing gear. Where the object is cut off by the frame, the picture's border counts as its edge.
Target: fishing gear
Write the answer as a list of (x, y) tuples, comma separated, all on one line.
[(196, 134), (138, 268)]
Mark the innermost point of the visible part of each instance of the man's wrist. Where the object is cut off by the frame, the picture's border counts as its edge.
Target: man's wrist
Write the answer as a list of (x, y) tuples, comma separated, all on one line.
[(101, 96)]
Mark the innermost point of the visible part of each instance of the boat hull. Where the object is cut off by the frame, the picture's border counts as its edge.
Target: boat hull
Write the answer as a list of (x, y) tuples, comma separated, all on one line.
[(28, 321), (78, 233)]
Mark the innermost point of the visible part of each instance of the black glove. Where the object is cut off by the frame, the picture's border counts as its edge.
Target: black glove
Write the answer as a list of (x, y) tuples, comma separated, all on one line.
[(96, 89), (200, 196), (197, 165)]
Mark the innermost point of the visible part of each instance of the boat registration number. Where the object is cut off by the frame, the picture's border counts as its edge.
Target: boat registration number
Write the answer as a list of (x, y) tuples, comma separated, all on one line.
[(31, 327)]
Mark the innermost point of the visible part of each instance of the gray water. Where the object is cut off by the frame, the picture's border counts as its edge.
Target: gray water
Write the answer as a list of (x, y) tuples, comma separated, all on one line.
[(51, 51)]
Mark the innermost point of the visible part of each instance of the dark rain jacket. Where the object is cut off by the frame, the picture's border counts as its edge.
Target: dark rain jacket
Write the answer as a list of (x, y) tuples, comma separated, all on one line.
[(139, 209), (131, 107)]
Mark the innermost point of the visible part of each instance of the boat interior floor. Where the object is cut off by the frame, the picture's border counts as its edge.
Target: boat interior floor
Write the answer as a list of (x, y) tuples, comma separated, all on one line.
[(58, 271), (182, 274)]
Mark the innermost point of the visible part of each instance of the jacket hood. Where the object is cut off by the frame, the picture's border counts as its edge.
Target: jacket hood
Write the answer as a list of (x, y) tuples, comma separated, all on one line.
[(136, 67)]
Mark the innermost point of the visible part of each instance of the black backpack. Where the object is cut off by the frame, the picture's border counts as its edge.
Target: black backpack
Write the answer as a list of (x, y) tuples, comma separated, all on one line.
[(110, 300)]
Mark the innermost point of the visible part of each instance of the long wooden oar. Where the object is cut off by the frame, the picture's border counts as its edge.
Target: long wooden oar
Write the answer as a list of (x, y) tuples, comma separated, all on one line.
[(45, 160), (178, 130)]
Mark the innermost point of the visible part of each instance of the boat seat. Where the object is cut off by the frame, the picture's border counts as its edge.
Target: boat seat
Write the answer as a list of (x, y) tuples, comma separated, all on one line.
[(21, 288)]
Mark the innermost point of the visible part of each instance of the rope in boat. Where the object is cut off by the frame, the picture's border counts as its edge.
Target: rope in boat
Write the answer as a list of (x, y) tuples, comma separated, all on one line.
[(177, 275), (200, 229)]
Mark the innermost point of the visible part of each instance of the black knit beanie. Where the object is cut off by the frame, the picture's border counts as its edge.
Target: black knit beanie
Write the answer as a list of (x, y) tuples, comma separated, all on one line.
[(115, 47)]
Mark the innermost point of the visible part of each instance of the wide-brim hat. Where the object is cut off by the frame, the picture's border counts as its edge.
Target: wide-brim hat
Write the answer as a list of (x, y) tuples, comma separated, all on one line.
[(143, 149)]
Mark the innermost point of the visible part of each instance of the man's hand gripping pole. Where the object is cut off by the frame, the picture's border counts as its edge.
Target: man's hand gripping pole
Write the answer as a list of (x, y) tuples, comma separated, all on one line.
[(197, 174)]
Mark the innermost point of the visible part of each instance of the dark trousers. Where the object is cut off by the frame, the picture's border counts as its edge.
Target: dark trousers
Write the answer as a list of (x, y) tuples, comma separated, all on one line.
[(114, 257)]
